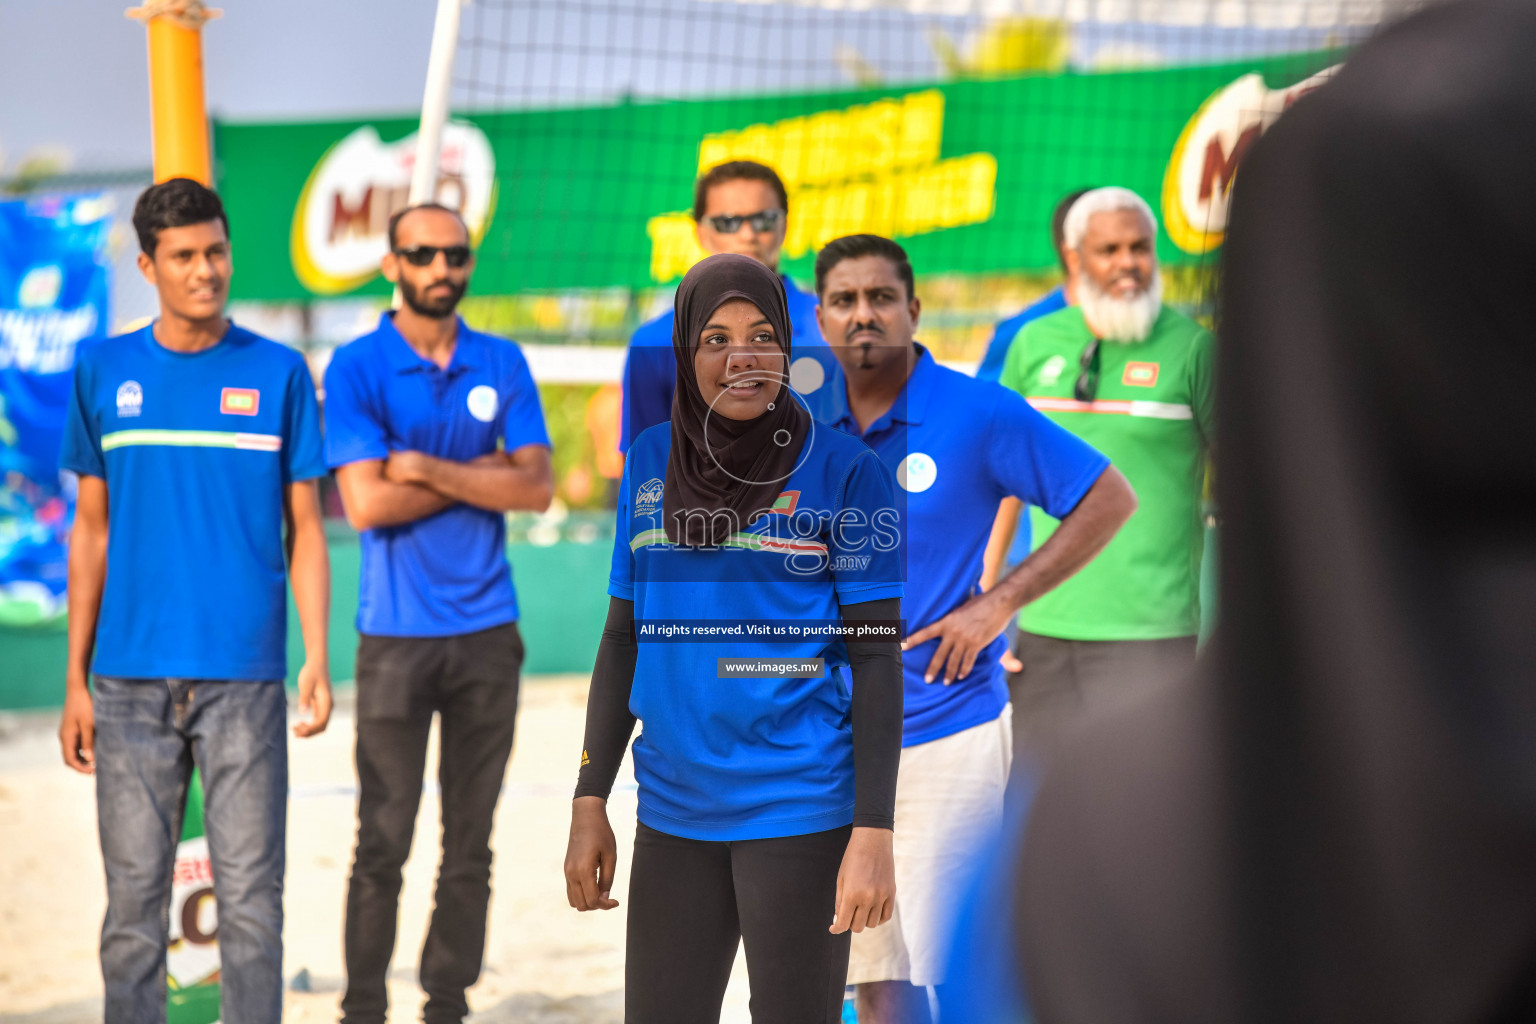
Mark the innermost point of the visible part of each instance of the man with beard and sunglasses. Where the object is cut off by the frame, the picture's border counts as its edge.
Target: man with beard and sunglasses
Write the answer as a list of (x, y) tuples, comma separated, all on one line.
[(435, 432), (740, 206), (1133, 378)]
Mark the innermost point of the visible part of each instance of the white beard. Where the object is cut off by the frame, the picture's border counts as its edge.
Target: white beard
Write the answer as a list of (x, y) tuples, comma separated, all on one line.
[(1124, 320)]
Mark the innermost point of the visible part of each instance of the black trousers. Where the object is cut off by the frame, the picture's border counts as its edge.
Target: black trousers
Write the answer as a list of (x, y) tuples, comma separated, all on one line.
[(471, 682), (1065, 679), (691, 901)]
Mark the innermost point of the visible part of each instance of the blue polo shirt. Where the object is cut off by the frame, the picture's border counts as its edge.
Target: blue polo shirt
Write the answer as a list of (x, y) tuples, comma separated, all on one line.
[(195, 449), (751, 757), (957, 446), (444, 574), (991, 367), (650, 369)]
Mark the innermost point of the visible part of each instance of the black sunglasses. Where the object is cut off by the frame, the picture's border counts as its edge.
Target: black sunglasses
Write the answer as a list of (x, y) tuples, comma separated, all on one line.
[(423, 255), (1087, 385), (764, 220)]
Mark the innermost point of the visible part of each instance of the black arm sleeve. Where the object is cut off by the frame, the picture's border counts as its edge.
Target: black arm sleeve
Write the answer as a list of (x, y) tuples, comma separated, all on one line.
[(609, 723), (877, 710)]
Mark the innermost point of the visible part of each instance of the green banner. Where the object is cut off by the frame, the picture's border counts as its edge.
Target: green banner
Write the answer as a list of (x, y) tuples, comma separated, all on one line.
[(964, 173), (192, 965)]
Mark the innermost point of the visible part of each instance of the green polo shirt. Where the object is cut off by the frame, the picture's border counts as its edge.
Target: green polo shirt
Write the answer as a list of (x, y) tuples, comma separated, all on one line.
[(1152, 416)]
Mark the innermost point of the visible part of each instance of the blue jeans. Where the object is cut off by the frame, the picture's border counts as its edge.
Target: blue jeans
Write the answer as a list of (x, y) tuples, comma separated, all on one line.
[(149, 733)]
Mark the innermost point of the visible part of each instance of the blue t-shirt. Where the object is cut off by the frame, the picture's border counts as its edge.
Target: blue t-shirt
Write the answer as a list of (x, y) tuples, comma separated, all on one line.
[(445, 574), (991, 367), (751, 757), (957, 446), (650, 369), (195, 449)]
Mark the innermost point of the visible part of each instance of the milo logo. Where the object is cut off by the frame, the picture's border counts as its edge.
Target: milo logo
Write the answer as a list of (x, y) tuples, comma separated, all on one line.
[(1198, 182), (340, 224)]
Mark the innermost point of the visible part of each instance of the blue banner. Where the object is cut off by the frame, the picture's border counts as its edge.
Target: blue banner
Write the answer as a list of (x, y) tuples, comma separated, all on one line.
[(53, 295)]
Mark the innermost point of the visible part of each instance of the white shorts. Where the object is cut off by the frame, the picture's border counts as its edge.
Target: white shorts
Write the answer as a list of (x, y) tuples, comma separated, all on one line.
[(949, 808)]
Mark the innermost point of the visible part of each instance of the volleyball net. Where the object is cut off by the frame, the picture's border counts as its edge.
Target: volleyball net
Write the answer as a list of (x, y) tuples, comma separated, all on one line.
[(576, 129), (952, 126)]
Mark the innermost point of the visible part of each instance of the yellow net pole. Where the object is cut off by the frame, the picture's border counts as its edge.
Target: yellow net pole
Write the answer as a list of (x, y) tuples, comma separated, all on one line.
[(179, 121), (178, 114)]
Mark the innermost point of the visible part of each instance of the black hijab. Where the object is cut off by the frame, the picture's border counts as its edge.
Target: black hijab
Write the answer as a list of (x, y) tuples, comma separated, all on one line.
[(1337, 821), (722, 472)]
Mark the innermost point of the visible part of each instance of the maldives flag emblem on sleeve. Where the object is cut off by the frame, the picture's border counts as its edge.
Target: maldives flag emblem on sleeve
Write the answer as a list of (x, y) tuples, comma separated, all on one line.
[(1141, 375), (785, 503), (239, 401)]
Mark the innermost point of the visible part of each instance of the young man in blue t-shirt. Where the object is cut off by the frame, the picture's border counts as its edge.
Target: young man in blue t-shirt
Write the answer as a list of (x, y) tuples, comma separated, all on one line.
[(435, 432), (195, 443), (741, 207), (958, 447)]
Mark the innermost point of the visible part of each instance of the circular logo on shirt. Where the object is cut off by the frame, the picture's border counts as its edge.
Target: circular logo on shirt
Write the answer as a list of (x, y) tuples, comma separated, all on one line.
[(130, 398), (806, 375), (917, 472), (1050, 373), (482, 402)]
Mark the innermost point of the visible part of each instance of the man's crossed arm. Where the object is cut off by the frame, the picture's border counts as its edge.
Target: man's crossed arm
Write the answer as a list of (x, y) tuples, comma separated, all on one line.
[(410, 485)]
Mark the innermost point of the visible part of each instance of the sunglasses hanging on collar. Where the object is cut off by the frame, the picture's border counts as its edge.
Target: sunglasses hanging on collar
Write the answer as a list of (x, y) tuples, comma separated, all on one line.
[(1087, 386)]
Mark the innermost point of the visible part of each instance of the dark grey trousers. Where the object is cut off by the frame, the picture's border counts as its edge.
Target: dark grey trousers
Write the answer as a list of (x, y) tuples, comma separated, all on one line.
[(1063, 680), (471, 682)]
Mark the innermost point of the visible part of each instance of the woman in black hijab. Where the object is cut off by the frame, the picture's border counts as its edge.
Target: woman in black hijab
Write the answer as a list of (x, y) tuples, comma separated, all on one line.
[(733, 442), (766, 796), (1336, 823)]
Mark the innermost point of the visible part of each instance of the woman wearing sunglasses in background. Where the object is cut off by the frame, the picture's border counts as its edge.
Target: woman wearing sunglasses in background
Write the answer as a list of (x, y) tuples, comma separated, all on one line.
[(765, 803)]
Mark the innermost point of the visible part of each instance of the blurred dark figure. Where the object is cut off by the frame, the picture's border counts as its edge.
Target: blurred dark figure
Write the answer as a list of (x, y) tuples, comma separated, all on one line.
[(1337, 822)]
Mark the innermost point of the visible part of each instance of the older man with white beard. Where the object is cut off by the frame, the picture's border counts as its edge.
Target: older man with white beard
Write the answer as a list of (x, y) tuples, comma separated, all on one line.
[(1133, 378)]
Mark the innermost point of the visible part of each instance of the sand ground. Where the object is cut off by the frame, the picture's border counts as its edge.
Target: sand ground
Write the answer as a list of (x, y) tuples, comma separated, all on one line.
[(544, 962)]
